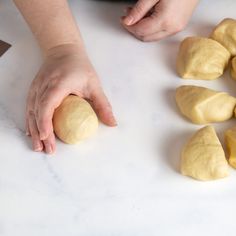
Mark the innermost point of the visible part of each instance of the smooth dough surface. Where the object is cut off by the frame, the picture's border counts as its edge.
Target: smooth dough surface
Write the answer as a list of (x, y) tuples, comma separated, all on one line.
[(225, 34), (230, 140), (233, 68), (202, 105), (74, 120), (201, 58), (203, 157)]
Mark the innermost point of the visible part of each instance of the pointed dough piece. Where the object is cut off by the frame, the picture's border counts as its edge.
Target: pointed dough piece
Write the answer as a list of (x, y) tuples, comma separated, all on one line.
[(74, 120), (233, 68), (230, 140), (203, 157), (225, 34), (201, 58), (202, 105)]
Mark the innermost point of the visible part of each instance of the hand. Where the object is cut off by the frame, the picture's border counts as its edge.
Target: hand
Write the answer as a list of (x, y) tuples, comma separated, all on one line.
[(65, 71), (152, 20)]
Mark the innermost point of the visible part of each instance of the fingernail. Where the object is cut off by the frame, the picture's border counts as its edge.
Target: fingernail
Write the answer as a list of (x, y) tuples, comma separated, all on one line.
[(48, 149), (37, 148), (27, 133), (129, 20), (113, 120)]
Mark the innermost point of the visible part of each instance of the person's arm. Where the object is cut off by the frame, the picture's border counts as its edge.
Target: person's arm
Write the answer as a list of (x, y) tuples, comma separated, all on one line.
[(51, 22), (66, 70)]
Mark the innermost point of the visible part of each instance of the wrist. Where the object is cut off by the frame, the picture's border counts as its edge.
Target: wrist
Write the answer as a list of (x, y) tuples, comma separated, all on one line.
[(66, 49)]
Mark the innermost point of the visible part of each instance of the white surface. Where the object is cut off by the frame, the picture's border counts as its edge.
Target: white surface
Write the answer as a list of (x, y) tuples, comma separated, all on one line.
[(125, 180)]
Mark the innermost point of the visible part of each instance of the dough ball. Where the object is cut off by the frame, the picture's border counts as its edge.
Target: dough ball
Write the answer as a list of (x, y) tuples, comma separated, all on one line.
[(202, 105), (201, 58), (74, 120), (230, 140), (225, 34), (203, 157), (233, 68)]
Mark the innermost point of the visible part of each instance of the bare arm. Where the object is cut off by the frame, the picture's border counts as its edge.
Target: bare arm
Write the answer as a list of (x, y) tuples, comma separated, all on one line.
[(51, 22)]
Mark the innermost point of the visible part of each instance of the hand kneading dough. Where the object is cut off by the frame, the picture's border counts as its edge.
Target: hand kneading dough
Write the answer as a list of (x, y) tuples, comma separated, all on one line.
[(225, 34), (201, 58), (74, 120), (203, 157), (233, 68), (202, 105), (230, 140)]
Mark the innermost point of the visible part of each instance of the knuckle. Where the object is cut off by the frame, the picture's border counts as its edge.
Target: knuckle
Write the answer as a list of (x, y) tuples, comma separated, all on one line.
[(30, 113), (34, 134), (43, 101), (173, 26)]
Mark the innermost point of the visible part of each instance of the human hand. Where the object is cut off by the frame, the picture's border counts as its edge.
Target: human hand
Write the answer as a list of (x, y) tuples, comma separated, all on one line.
[(152, 20), (66, 70)]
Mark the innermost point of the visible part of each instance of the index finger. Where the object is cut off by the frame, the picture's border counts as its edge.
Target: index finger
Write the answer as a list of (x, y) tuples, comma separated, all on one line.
[(49, 101), (149, 25)]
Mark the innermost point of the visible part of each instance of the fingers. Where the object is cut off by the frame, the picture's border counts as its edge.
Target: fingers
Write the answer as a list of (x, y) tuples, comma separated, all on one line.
[(103, 108), (50, 143), (147, 26), (45, 106), (156, 36), (33, 129), (140, 9)]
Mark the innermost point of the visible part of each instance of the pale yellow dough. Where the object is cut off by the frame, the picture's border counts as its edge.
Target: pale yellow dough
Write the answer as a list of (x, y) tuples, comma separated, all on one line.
[(203, 157), (74, 120), (202, 105), (233, 68), (225, 34), (201, 58), (230, 140)]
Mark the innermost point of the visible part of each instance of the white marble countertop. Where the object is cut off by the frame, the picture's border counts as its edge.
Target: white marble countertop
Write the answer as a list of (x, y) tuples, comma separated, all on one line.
[(124, 181)]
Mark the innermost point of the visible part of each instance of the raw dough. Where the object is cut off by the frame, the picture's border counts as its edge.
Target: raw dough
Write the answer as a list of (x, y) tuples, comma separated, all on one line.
[(74, 120), (201, 58), (202, 105), (233, 68), (203, 157), (225, 34), (230, 140)]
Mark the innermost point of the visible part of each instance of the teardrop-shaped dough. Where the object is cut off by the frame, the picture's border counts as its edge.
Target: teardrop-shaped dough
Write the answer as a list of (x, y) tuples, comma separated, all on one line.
[(233, 68), (230, 140), (203, 157), (201, 58), (74, 120), (202, 105), (225, 34)]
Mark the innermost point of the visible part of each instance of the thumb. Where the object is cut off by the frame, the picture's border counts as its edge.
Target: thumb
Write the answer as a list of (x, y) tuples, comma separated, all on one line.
[(140, 9), (103, 108)]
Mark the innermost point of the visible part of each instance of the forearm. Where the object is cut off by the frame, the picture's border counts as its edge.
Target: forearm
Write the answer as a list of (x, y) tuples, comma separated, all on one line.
[(51, 22)]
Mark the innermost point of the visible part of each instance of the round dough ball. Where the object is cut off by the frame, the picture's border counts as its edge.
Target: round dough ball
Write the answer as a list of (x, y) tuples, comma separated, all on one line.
[(201, 58), (203, 157), (74, 120), (233, 68), (225, 34), (202, 105)]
